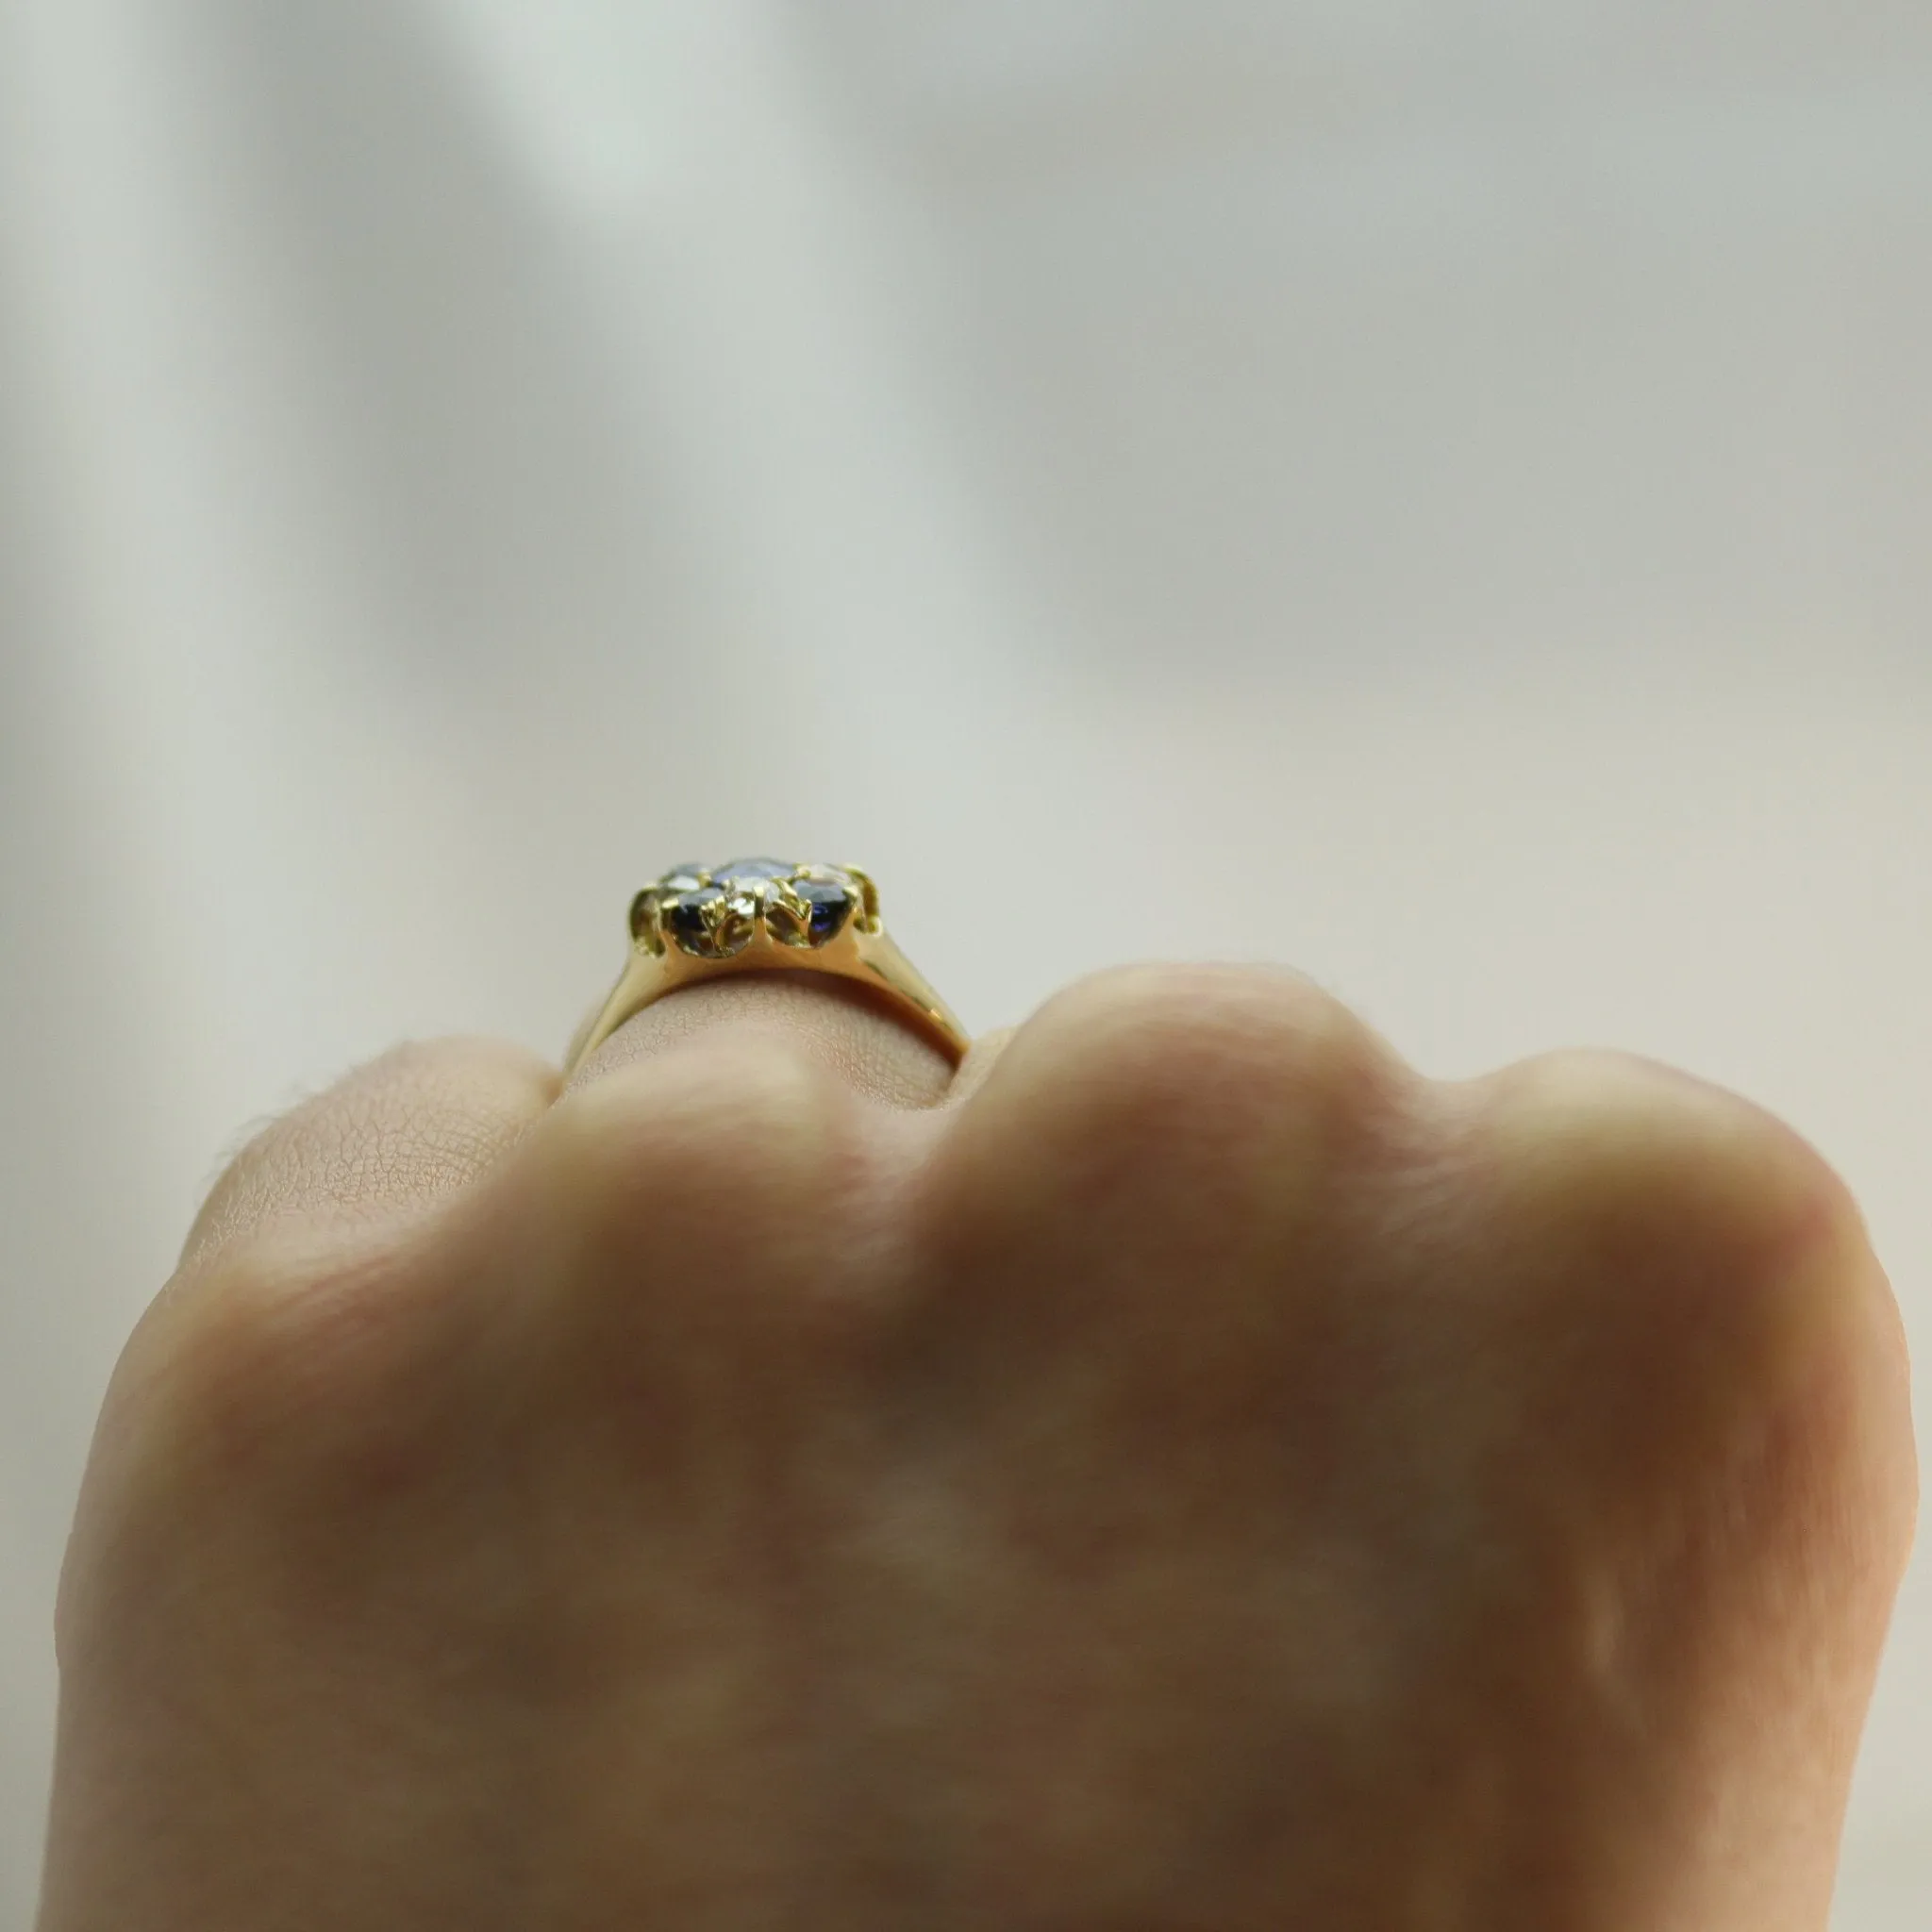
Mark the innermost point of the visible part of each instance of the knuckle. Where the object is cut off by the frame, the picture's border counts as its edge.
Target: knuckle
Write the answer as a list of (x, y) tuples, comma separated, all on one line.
[(1719, 1267), (1219, 1092), (746, 1124), (679, 1185), (414, 1121), (1628, 1156), (1232, 1050)]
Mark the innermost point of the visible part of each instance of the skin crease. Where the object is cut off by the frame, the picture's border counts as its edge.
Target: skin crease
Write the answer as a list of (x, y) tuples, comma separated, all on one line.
[(1186, 1472)]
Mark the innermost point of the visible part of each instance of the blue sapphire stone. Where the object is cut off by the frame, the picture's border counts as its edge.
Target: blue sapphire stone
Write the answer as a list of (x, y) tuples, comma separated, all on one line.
[(685, 915), (831, 905)]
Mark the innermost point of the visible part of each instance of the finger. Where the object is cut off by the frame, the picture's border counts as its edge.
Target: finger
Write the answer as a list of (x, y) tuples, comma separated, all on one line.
[(408, 1129), (856, 1032), (981, 1057)]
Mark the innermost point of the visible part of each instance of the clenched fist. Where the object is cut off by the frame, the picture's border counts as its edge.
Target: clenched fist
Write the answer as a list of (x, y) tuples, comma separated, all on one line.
[(1186, 1472)]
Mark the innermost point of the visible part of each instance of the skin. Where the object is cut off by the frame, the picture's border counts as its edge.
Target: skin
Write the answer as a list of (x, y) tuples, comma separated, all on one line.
[(1186, 1472)]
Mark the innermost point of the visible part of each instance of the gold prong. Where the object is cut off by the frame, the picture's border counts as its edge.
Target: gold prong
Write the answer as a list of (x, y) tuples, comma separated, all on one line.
[(643, 923), (778, 892), (869, 892)]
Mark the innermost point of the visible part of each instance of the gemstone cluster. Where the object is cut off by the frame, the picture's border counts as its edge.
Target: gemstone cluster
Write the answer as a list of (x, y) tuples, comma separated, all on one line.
[(714, 912)]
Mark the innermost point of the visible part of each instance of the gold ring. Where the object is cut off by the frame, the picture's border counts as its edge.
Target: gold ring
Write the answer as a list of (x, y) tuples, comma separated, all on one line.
[(761, 915)]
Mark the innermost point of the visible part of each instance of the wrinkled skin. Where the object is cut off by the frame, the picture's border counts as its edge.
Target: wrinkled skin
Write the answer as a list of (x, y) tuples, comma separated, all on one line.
[(1189, 1474)]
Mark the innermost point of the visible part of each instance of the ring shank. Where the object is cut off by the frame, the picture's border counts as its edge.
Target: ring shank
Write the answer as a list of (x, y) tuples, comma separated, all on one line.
[(871, 958)]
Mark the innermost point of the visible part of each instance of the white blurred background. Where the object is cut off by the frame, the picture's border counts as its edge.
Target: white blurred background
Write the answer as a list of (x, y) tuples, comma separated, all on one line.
[(1439, 491)]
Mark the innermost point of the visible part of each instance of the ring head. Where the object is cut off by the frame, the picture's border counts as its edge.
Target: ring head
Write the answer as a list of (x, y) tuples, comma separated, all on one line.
[(717, 912)]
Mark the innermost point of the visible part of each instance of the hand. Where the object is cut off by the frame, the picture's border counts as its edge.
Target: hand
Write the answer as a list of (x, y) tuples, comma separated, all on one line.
[(1187, 1474)]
